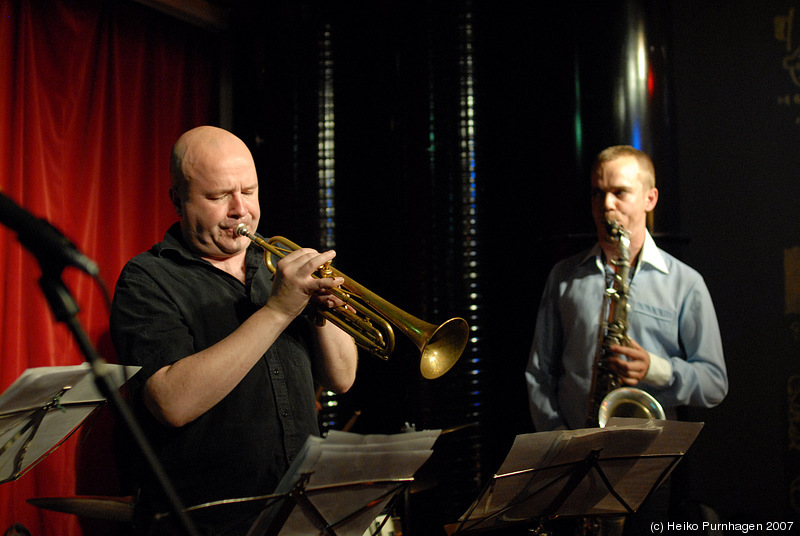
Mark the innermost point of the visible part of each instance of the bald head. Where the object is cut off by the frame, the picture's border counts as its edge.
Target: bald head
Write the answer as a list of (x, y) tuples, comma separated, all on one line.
[(214, 188), (199, 151)]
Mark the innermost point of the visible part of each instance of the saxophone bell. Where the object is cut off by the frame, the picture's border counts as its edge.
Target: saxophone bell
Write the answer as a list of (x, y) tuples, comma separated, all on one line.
[(629, 402)]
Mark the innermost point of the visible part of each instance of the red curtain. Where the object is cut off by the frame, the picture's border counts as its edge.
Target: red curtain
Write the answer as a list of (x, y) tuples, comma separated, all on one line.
[(92, 95)]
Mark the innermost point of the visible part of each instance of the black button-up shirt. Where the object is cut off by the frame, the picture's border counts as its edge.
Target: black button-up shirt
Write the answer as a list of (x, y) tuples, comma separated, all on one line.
[(169, 304)]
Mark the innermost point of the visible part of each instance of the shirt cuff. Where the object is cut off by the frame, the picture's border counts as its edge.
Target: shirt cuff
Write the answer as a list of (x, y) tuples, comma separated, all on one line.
[(660, 371)]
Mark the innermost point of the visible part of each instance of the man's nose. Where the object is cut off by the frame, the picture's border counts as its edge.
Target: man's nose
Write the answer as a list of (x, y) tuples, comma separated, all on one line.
[(238, 205), (609, 201)]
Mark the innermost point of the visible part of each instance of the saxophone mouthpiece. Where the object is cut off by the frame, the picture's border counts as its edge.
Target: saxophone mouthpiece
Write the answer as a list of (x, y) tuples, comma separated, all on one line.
[(613, 228)]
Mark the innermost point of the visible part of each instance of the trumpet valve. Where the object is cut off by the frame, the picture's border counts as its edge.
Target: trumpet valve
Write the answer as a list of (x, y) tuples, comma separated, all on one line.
[(325, 271)]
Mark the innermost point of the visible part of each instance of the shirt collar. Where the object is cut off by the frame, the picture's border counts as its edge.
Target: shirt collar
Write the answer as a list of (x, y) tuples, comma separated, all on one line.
[(650, 254), (173, 244)]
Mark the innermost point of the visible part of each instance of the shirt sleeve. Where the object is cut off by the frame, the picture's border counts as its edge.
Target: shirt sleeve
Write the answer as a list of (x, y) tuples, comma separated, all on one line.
[(660, 371), (541, 374), (146, 326)]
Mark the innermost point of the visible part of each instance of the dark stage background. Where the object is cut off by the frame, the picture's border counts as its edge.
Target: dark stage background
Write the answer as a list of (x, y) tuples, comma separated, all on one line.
[(442, 230), (718, 114)]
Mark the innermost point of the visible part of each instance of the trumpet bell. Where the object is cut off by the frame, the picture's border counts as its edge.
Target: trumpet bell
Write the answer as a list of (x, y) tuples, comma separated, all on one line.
[(442, 348), (629, 402)]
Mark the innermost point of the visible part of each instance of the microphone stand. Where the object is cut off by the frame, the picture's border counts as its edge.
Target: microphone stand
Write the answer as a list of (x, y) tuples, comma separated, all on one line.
[(65, 310)]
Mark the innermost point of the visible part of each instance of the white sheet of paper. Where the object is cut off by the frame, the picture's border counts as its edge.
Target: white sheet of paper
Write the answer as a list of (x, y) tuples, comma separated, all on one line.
[(39, 388), (351, 479), (632, 453)]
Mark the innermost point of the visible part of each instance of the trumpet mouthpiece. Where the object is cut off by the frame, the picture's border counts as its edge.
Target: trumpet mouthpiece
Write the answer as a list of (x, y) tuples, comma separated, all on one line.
[(241, 230)]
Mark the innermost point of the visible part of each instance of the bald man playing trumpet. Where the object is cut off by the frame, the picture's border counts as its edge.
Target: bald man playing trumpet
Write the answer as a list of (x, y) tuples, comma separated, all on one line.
[(229, 361)]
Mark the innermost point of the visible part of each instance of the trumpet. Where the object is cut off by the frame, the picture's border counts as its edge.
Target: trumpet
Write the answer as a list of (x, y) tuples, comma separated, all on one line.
[(368, 318)]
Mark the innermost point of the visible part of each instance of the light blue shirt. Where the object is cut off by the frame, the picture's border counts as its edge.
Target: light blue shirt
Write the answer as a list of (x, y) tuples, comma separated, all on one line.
[(671, 316)]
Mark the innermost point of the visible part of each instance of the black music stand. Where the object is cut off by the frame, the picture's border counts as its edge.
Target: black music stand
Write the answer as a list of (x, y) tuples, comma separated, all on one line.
[(339, 485), (300, 511), (346, 509), (592, 472), (42, 408)]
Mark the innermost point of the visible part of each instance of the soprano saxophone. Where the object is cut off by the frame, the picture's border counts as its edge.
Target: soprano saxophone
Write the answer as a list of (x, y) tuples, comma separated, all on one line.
[(607, 397)]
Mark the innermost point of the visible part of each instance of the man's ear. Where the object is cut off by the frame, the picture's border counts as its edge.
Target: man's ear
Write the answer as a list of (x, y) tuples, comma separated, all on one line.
[(650, 199), (175, 197)]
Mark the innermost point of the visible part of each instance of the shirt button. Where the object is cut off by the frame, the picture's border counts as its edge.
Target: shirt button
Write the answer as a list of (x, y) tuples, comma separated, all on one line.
[(276, 372)]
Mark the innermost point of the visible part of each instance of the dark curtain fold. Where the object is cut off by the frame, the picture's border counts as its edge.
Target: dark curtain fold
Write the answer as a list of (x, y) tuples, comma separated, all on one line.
[(92, 95)]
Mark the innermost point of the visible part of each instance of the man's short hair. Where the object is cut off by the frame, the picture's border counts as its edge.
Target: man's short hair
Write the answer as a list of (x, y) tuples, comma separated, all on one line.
[(647, 173)]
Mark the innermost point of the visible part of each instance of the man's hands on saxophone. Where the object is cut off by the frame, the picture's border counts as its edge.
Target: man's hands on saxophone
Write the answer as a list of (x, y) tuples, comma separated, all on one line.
[(630, 363)]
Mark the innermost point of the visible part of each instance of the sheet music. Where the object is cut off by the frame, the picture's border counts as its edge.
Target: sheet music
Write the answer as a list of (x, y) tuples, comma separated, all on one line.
[(351, 478), (634, 454), (530, 451), (62, 397), (37, 386), (423, 439)]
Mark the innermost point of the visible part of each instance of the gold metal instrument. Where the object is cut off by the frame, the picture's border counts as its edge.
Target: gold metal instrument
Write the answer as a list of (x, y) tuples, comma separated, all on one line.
[(366, 316), (607, 397)]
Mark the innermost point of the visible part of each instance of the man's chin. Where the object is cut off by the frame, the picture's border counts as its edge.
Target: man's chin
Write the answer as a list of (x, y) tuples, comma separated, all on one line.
[(222, 250), (233, 249)]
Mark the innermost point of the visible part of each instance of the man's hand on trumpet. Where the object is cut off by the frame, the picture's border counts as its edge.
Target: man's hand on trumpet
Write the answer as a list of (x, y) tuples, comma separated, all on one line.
[(295, 283)]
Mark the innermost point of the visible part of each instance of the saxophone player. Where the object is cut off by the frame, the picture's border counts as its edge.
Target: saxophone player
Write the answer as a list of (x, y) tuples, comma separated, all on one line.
[(674, 350)]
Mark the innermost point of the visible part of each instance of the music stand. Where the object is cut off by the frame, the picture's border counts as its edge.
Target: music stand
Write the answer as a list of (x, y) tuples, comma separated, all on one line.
[(590, 472), (338, 486), (42, 408)]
